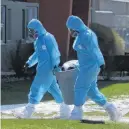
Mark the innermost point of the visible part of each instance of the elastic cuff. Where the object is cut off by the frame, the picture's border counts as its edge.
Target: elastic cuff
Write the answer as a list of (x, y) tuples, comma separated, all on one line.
[(78, 104), (106, 105), (77, 107), (60, 102), (33, 102), (31, 105), (28, 62)]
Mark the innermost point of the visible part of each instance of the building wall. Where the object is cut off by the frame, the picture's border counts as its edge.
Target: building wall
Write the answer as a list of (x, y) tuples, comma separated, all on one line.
[(118, 7), (80, 8), (14, 32), (14, 19), (114, 14), (53, 15), (54, 19), (111, 13)]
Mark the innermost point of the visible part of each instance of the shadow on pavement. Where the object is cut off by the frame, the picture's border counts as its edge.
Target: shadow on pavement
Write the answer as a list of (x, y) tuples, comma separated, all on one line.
[(92, 121)]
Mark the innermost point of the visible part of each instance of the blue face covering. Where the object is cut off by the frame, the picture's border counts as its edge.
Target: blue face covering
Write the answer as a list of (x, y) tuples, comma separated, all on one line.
[(73, 33)]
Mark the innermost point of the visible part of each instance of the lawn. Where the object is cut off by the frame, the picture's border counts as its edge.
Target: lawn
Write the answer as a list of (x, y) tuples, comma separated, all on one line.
[(127, 115), (98, 113), (17, 93), (116, 90), (58, 124), (95, 113)]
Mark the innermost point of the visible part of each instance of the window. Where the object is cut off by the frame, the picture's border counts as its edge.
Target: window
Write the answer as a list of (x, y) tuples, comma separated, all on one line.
[(23, 24), (3, 24), (124, 33), (9, 19), (20, 0), (28, 14), (32, 12)]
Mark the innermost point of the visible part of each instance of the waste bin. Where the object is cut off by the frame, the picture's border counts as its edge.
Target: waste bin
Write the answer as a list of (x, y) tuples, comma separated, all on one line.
[(66, 79)]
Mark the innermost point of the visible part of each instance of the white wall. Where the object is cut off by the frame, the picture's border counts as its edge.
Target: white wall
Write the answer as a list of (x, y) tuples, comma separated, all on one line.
[(111, 13), (102, 17), (119, 15), (119, 8), (121, 21)]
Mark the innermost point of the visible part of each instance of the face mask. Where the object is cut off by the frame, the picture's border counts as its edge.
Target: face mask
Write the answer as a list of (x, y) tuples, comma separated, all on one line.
[(73, 33), (31, 39), (33, 34)]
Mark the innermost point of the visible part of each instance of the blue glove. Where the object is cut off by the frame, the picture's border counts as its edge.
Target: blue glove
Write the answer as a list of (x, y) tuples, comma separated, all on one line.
[(26, 67), (56, 69)]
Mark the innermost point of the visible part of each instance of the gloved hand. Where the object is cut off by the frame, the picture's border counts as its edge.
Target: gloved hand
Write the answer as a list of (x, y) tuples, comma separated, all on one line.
[(26, 67), (102, 67), (56, 69)]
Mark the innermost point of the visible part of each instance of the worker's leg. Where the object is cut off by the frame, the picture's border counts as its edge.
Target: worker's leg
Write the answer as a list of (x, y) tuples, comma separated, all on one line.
[(38, 88), (95, 95), (57, 94)]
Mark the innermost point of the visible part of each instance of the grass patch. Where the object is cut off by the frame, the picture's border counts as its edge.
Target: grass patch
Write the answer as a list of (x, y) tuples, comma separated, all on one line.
[(127, 115), (4, 114), (17, 92), (116, 90), (57, 124), (95, 113), (98, 113)]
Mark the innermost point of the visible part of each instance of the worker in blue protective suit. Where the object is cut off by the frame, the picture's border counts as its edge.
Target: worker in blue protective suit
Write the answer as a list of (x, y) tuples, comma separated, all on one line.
[(47, 58), (90, 62)]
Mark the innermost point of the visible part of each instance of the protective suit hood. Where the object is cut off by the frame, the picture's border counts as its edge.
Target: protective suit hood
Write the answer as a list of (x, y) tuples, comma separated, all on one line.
[(75, 23), (37, 26)]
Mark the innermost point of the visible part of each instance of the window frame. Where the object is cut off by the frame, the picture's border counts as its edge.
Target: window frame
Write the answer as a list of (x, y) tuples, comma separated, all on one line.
[(3, 37), (27, 18), (24, 24), (9, 24)]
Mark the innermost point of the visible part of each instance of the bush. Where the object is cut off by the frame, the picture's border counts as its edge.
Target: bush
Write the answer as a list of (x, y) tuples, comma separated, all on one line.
[(115, 64), (111, 44), (109, 40), (18, 59), (17, 62)]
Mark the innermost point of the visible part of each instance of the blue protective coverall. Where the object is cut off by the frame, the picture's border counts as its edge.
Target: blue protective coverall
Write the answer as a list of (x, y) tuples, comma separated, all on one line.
[(46, 56), (90, 59)]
